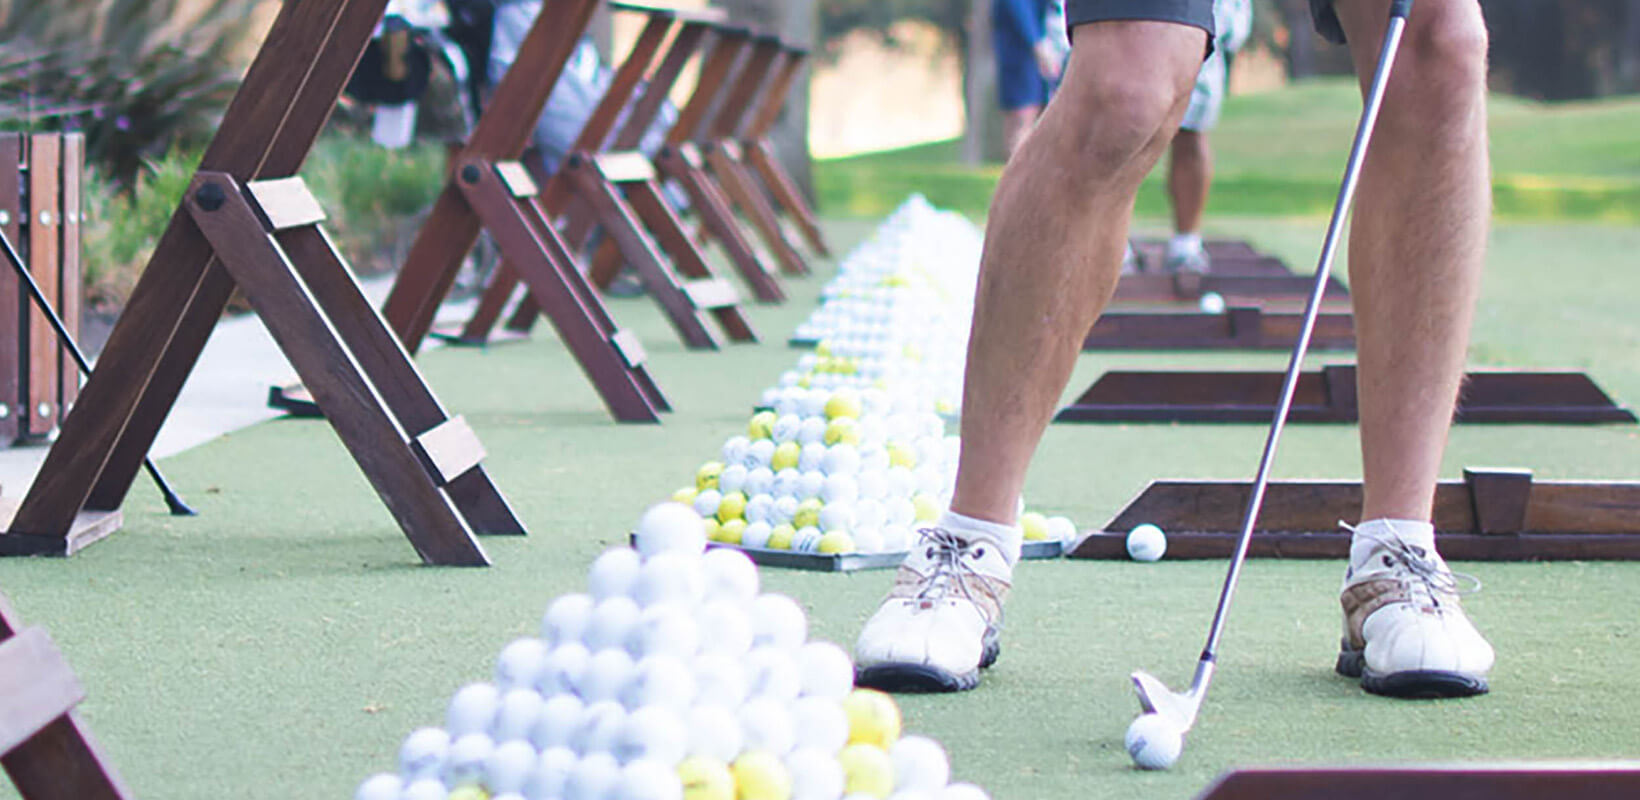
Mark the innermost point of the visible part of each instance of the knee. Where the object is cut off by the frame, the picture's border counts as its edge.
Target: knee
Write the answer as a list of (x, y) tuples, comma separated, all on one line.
[(1116, 118), (1442, 66)]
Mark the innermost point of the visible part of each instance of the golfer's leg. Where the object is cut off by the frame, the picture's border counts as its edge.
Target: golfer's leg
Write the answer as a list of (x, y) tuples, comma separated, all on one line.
[(1054, 241), (1189, 177), (1052, 251), (1416, 253), (1418, 243)]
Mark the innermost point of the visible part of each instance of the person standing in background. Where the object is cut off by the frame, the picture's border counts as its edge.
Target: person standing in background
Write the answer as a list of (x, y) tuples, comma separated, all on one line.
[(1029, 59)]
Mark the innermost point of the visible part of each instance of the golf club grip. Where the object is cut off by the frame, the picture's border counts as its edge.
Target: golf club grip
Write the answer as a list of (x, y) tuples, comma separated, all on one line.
[(1401, 8)]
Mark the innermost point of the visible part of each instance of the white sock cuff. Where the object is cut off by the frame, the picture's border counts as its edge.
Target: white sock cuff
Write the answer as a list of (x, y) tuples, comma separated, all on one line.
[(1184, 243), (1415, 532), (1008, 538)]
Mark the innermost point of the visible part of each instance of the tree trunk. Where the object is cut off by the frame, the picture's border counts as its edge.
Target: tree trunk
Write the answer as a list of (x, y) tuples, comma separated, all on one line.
[(982, 131), (797, 22)]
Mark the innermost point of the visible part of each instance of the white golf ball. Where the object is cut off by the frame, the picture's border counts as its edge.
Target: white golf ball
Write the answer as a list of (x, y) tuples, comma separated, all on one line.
[(664, 629), (811, 483), (840, 488), (520, 663), (607, 673), (962, 791), (756, 535), (734, 450), (648, 779), (593, 778), (868, 540), (423, 752), (1146, 543), (559, 720), (767, 725), (652, 733), (509, 766), (759, 454), (520, 709), (837, 516), (841, 459), (670, 578), (815, 775), (563, 669), (465, 763), (772, 672), (673, 527), (812, 430), (472, 709), (785, 508), (1154, 742), (426, 789), (920, 764), (827, 671), (1061, 528), (600, 726), (812, 457), (715, 733), (552, 771), (820, 723), (725, 627), (759, 481), (706, 505), (612, 622), (614, 573), (778, 620), (385, 786), (785, 428), (566, 619), (660, 680), (807, 539), (719, 680), (1212, 303), (730, 576)]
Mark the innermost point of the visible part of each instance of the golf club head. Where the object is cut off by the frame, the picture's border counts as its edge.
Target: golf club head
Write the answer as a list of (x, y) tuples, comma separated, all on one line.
[(1156, 698)]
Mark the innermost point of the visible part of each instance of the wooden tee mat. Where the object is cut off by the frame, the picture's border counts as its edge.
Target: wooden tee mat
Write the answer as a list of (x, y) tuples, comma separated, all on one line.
[(248, 222), (1329, 395), (1491, 515), (45, 749)]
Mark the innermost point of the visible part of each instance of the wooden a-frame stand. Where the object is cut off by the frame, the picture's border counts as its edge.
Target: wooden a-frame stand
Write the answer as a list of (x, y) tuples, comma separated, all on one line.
[(489, 189), (617, 189), (1328, 395), (1492, 515), (247, 222), (759, 151)]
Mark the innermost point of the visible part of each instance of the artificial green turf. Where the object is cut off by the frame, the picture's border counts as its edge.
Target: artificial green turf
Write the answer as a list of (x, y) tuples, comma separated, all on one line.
[(283, 643)]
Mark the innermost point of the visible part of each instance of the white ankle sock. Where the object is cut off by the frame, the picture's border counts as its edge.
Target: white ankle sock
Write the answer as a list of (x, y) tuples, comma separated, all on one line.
[(1007, 538), (1417, 533), (1184, 244)]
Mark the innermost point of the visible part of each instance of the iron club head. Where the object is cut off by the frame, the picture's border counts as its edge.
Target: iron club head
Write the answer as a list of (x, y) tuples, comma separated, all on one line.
[(1179, 707)]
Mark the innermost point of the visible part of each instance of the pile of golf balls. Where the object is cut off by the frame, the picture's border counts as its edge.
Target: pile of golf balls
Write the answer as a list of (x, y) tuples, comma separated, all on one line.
[(671, 678), (849, 452)]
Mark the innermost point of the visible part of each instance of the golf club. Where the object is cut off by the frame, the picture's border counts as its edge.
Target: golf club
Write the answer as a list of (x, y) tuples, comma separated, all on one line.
[(1180, 708), (172, 500)]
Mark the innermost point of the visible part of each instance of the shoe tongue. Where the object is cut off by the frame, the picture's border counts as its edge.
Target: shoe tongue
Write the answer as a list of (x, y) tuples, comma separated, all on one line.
[(1372, 536)]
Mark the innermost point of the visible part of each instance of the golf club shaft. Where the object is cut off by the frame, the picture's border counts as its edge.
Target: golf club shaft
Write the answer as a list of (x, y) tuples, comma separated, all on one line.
[(1346, 192), (172, 500)]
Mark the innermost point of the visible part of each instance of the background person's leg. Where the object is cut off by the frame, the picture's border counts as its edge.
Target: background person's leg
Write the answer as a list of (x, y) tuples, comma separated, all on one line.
[(1189, 178)]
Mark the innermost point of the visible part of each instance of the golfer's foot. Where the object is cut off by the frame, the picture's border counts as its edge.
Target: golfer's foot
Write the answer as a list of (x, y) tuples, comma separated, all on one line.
[(940, 624), (1188, 261), (1405, 634), (1130, 260)]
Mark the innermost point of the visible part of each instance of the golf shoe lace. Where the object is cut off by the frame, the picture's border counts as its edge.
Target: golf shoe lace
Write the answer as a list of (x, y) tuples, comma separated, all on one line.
[(1421, 572), (946, 550)]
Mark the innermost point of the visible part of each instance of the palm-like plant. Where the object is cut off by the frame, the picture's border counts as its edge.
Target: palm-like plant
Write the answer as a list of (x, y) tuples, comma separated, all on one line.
[(138, 77)]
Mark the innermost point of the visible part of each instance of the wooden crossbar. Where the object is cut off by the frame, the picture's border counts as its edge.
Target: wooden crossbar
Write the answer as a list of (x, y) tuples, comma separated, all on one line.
[(45, 749), (1239, 328), (221, 238)]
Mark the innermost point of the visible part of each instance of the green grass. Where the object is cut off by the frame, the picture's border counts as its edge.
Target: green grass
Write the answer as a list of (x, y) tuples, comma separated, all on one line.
[(1282, 152), (284, 642)]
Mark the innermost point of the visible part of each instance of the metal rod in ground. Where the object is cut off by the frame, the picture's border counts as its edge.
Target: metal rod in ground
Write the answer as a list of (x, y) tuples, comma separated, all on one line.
[(172, 499)]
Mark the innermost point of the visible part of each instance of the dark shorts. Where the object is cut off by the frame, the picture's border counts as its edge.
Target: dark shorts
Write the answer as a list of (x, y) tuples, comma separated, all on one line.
[(1197, 13)]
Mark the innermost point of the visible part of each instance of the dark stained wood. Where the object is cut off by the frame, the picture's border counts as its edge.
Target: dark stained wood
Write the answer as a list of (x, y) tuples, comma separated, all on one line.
[(759, 149), (45, 152), (1153, 287), (61, 760), (1328, 395), (332, 372), (1237, 328), (1505, 781), (36, 686), (1479, 518), (740, 187), (12, 295)]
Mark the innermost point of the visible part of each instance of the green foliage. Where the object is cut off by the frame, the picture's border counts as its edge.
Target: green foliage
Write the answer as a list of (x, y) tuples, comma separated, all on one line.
[(139, 77), (373, 198)]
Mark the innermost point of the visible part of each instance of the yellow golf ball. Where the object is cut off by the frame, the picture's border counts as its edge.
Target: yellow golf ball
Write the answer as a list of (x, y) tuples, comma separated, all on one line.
[(1035, 526), (761, 425), (867, 770), (843, 430), (713, 530), (927, 507), (785, 456), (900, 455), (843, 403), (808, 513), (469, 793), (685, 495), (707, 476), (835, 542), (706, 779), (731, 531), (762, 776), (781, 537), (732, 506), (873, 718)]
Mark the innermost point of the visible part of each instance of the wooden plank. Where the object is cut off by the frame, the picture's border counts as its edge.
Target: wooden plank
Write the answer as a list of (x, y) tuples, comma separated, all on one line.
[(449, 449), (626, 167), (1519, 781), (1144, 287), (1238, 328), (701, 14), (630, 347), (710, 204), (70, 270), (743, 91), (45, 202), (651, 206), (36, 686), (711, 293), (742, 190), (685, 43), (516, 178), (714, 73), (331, 372), (1328, 395), (286, 202), (12, 295)]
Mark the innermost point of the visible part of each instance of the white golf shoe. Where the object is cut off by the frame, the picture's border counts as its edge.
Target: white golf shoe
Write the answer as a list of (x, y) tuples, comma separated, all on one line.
[(940, 624), (1405, 634)]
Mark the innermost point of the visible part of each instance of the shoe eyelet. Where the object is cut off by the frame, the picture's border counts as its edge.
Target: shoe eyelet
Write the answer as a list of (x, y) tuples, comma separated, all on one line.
[(930, 553), (1389, 562), (979, 552)]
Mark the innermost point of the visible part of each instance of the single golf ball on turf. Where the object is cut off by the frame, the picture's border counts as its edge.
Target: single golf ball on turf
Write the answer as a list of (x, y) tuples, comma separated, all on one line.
[(1146, 543), (1212, 303), (1153, 742)]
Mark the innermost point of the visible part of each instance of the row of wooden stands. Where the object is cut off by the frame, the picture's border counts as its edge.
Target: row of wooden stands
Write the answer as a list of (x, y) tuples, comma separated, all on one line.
[(605, 184), (40, 211), (248, 222)]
